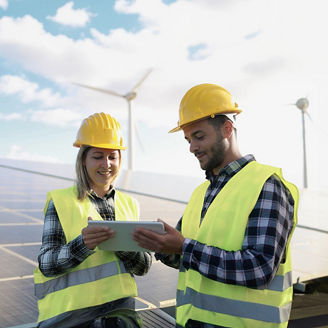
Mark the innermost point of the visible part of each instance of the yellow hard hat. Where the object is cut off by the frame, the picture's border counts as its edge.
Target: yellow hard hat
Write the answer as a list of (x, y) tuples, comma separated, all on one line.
[(205, 100), (100, 130)]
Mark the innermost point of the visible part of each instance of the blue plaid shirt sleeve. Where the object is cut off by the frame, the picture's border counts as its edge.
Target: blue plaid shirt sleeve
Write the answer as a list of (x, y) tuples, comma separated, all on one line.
[(269, 226), (55, 256)]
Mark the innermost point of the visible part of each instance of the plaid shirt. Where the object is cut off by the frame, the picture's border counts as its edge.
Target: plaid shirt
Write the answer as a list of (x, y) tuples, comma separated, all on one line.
[(56, 256), (269, 226)]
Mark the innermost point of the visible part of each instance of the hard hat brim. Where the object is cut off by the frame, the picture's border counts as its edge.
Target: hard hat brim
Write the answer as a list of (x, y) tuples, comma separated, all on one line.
[(228, 114), (178, 128), (105, 146)]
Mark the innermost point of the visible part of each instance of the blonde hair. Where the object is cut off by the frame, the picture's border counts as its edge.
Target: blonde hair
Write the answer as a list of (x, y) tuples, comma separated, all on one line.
[(83, 181)]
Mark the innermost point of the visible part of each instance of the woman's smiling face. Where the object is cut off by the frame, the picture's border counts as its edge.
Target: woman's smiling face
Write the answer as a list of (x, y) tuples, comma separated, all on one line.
[(102, 166)]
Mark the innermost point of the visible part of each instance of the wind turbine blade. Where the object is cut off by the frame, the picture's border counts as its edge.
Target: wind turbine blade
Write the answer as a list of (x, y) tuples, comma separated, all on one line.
[(139, 138), (141, 80), (113, 93), (309, 116)]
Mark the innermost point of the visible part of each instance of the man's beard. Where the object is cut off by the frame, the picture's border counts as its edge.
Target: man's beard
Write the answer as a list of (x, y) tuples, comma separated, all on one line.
[(218, 151)]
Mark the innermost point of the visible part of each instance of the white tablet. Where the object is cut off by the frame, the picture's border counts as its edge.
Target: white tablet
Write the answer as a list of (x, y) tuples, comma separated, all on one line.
[(122, 241)]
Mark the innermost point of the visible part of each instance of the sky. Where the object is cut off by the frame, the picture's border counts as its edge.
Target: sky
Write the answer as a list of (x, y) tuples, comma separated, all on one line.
[(267, 53)]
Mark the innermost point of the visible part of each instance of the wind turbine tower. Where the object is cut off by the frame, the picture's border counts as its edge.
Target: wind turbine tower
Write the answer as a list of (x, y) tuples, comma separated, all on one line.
[(302, 104), (129, 96)]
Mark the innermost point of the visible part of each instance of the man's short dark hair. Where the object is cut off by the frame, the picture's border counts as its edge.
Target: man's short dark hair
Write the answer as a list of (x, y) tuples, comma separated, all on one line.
[(218, 120)]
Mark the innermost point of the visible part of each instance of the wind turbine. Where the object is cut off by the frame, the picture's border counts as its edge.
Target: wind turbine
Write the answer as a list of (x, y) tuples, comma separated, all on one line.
[(302, 104), (129, 96)]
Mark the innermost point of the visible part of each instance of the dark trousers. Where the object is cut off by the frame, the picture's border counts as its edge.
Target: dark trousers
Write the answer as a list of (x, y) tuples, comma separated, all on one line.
[(116, 314), (197, 324), (118, 319)]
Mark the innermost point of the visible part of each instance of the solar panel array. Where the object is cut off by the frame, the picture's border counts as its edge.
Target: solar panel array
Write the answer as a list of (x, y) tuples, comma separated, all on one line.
[(22, 198)]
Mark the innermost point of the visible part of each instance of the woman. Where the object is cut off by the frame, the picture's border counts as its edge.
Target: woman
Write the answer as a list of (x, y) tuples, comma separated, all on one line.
[(76, 284)]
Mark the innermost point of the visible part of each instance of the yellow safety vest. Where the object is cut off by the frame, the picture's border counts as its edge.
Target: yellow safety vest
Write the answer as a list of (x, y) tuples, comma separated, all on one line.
[(101, 277), (205, 300)]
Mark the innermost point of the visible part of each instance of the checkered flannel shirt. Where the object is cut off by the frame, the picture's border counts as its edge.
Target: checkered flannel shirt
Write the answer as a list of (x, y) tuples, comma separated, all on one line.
[(269, 226), (56, 256)]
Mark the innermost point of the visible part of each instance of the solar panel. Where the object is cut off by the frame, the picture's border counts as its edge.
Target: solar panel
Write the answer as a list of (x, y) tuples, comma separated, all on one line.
[(22, 198)]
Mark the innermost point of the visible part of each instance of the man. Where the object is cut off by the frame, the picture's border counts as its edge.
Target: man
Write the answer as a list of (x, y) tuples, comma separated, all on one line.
[(232, 243)]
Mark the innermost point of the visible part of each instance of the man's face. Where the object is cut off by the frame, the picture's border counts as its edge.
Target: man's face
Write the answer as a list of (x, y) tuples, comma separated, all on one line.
[(207, 144)]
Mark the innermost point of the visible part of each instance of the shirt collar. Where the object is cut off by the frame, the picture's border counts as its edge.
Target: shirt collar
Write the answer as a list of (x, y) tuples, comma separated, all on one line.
[(232, 168), (110, 194)]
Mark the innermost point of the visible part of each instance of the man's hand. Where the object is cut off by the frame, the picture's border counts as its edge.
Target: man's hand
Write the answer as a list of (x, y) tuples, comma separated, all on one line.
[(93, 236), (169, 243)]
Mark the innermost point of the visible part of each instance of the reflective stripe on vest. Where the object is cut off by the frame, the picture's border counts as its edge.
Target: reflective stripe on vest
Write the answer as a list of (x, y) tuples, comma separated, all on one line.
[(279, 283), (243, 309), (235, 201), (77, 278), (102, 271)]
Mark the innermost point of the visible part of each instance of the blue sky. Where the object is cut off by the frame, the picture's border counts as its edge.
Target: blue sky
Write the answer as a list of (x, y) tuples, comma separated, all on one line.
[(266, 53)]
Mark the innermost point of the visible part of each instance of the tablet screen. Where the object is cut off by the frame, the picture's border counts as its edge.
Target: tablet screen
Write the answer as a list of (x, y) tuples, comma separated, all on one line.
[(122, 241)]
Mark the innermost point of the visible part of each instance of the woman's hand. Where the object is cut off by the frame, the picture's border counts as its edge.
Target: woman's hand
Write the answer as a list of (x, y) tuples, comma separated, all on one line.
[(93, 236)]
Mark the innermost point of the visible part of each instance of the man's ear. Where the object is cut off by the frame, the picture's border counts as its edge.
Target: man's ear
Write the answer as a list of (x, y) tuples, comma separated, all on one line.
[(227, 129)]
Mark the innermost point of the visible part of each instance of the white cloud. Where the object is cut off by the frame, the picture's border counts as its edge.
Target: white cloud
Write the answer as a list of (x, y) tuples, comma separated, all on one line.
[(25, 42), (57, 117), (50, 114), (27, 91), (66, 15), (4, 4), (10, 117), (227, 54), (267, 53), (17, 152)]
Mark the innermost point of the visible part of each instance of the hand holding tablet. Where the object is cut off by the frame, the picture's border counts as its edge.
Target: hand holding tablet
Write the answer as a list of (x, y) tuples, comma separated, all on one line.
[(122, 240)]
